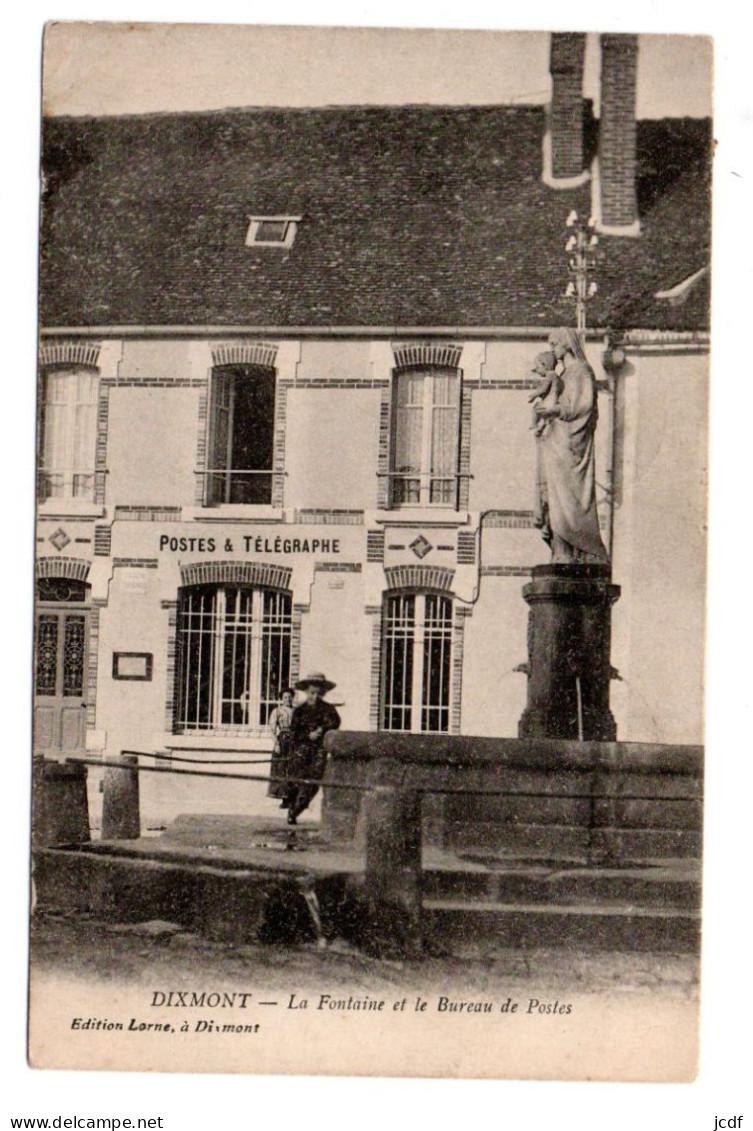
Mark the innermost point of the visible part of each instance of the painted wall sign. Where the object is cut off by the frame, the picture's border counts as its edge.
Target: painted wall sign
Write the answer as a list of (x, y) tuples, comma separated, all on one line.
[(249, 544)]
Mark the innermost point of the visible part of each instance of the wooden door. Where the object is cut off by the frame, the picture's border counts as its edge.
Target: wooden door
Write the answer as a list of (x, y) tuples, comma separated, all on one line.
[(62, 633)]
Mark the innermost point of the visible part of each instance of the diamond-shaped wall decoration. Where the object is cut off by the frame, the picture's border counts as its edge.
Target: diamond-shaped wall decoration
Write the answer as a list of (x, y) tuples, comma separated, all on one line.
[(59, 539), (421, 546)]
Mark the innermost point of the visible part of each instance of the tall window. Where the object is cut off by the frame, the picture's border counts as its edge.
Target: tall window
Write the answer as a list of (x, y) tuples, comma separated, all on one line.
[(425, 446), (417, 649), (241, 435), (68, 434), (234, 656)]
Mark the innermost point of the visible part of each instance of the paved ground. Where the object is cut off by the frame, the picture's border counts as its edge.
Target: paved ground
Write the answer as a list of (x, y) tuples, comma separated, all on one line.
[(80, 946)]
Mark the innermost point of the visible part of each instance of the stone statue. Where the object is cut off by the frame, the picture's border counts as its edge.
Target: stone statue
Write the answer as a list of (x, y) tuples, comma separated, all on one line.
[(547, 390), (565, 507)]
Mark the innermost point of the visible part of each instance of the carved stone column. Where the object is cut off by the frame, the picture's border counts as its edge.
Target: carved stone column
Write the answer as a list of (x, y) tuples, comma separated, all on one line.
[(569, 639)]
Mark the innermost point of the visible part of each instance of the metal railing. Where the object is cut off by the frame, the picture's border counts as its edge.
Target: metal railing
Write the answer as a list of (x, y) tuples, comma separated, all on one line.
[(230, 485), (423, 488), (66, 483)]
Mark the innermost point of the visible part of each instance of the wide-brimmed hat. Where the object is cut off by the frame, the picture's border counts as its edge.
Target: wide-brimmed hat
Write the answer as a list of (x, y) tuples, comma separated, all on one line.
[(318, 679)]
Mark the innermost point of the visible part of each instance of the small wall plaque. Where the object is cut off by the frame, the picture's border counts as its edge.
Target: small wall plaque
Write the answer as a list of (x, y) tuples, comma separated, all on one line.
[(132, 665)]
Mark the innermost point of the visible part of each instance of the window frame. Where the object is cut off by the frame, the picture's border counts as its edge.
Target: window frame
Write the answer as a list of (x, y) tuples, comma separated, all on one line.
[(67, 441), (429, 409), (218, 482), (255, 223), (424, 630), (269, 619)]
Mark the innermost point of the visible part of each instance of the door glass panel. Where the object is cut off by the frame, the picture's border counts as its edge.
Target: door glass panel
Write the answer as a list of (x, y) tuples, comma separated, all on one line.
[(61, 589), (47, 647), (73, 655)]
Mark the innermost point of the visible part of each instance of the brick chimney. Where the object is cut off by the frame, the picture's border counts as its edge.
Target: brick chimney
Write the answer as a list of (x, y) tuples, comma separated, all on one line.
[(615, 201), (564, 161)]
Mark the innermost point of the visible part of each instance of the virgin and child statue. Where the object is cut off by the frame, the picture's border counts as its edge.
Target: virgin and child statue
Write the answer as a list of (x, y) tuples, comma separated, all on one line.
[(566, 411)]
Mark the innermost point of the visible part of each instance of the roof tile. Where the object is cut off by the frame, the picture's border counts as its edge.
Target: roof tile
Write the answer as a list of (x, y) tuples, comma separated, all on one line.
[(417, 215)]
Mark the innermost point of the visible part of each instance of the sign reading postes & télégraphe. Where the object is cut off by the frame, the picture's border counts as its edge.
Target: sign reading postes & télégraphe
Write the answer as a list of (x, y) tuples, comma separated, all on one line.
[(248, 544)]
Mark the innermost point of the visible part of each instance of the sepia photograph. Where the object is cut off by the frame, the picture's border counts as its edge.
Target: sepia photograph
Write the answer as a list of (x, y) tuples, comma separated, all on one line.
[(370, 551)]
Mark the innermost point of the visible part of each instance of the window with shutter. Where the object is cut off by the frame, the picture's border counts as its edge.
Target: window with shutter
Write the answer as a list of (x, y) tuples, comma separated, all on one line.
[(68, 428), (425, 446), (241, 436)]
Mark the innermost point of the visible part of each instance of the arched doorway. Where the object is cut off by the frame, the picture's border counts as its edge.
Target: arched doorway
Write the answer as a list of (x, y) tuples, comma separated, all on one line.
[(60, 676)]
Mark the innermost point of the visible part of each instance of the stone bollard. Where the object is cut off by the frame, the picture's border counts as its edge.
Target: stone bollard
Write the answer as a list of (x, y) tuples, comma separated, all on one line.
[(60, 809), (392, 819), (121, 818)]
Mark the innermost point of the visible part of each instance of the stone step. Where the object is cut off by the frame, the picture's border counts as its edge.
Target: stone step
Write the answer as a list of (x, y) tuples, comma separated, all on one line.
[(219, 901), (264, 894), (455, 925), (578, 811), (575, 843), (658, 887)]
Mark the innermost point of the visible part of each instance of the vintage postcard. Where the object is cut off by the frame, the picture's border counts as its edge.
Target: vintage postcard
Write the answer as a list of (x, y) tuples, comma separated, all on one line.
[(370, 551)]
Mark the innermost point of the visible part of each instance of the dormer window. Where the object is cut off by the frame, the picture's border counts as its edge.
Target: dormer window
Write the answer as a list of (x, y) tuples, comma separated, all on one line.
[(272, 231)]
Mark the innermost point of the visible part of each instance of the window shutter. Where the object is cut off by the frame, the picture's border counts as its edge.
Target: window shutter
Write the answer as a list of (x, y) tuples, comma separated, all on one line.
[(407, 446), (444, 438), (220, 439)]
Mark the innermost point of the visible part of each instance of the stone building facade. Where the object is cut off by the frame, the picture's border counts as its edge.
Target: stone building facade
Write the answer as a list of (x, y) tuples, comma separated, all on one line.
[(284, 370)]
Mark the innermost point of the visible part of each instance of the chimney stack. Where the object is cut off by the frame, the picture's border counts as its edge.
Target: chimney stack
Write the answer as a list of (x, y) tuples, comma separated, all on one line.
[(564, 161), (615, 202)]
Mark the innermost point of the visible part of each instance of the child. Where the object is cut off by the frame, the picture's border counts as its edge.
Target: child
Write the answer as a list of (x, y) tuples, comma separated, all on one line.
[(280, 723), (549, 388)]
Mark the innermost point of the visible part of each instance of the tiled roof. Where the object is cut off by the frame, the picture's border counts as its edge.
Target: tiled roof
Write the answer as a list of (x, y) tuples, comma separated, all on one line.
[(412, 216)]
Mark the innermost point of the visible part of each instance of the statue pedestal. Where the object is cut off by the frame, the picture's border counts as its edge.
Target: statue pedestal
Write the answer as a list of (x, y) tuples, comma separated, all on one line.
[(569, 668)]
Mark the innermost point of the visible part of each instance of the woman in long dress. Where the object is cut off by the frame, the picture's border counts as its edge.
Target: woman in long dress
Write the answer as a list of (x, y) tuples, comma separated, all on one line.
[(566, 498)]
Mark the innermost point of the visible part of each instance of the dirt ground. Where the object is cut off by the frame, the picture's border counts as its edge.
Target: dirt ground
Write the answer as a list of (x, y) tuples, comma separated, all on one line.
[(83, 947)]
